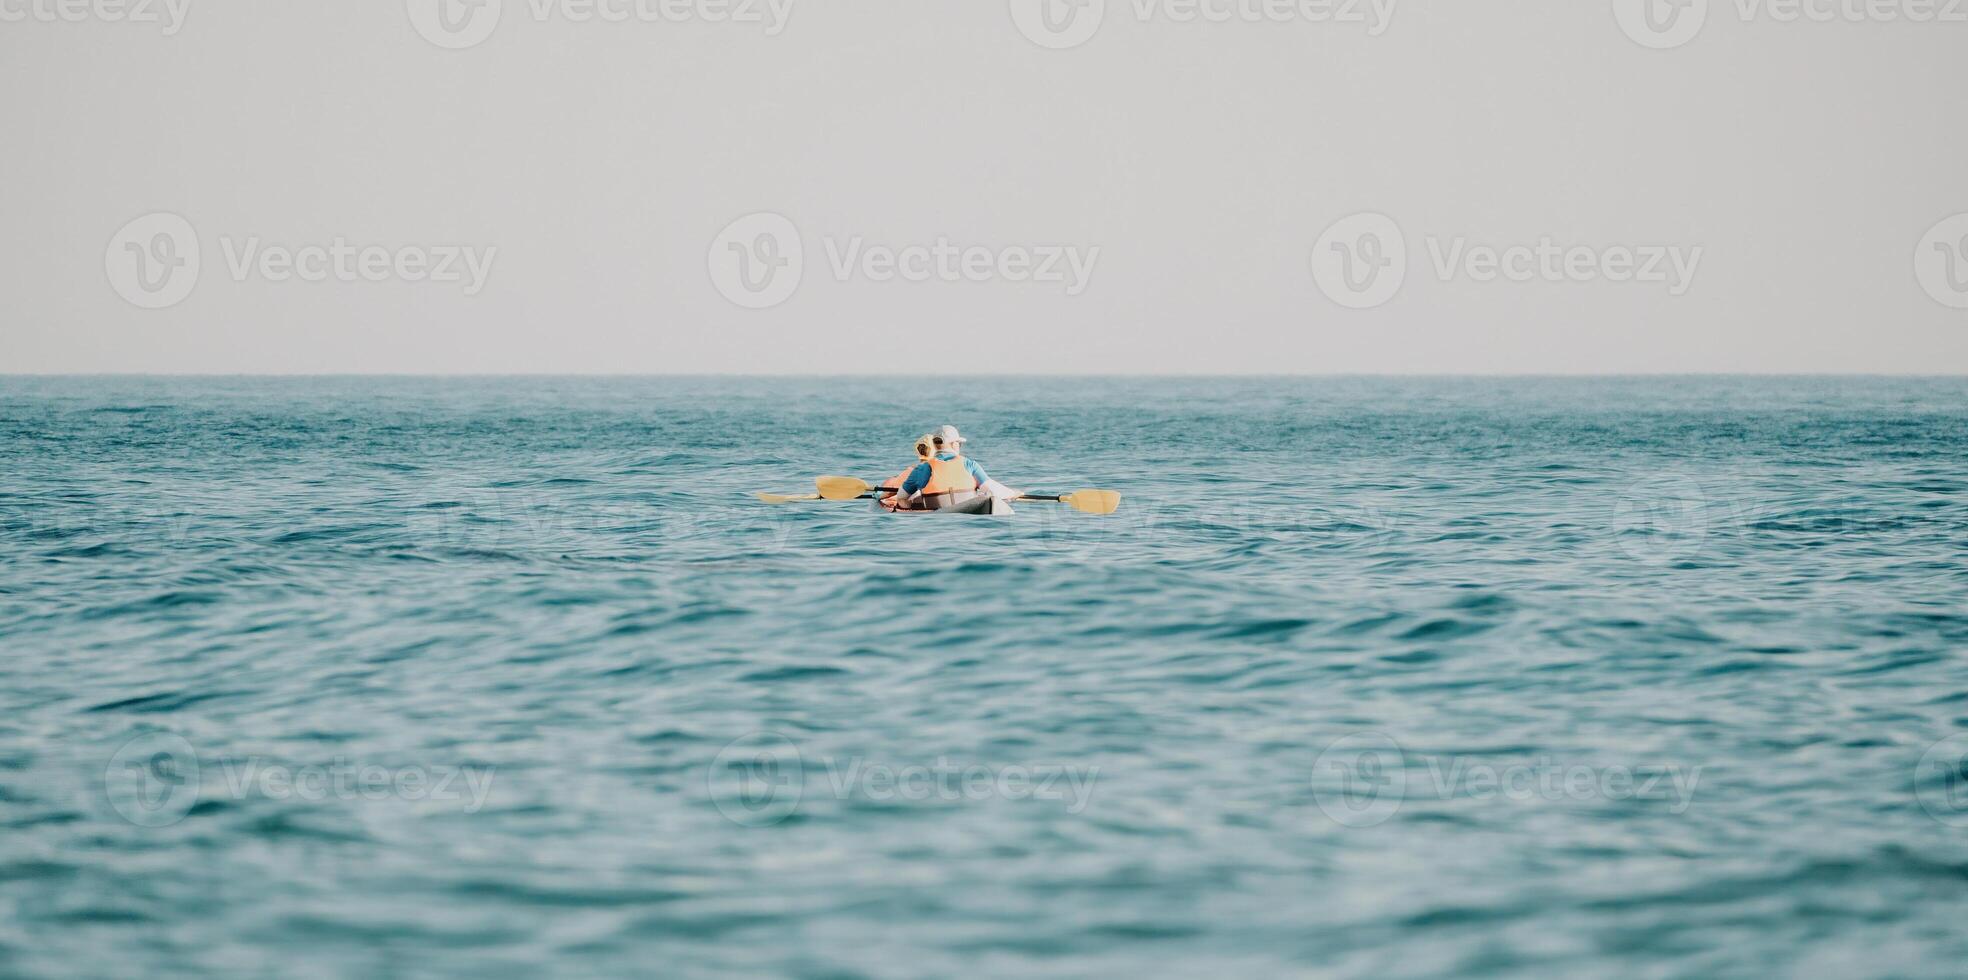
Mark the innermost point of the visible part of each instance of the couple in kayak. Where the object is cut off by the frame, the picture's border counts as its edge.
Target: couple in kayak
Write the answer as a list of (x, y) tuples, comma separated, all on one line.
[(942, 477)]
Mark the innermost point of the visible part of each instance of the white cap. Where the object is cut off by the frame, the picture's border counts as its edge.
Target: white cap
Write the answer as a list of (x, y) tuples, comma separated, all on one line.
[(949, 435)]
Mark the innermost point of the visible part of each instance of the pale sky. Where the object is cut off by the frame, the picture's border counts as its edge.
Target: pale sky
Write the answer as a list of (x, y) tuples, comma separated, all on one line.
[(668, 191)]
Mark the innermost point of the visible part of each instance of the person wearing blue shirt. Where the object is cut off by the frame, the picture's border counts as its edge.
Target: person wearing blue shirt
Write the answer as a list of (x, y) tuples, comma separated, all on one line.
[(949, 446)]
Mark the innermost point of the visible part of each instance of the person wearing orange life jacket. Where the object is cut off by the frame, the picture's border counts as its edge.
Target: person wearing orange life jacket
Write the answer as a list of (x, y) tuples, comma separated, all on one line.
[(945, 478), (925, 450)]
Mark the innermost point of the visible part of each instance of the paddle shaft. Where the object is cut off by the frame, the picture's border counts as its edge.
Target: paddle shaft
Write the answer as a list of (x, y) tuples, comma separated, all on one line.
[(1051, 497)]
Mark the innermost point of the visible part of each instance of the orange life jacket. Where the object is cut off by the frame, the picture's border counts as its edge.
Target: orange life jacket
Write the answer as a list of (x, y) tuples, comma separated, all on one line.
[(948, 476)]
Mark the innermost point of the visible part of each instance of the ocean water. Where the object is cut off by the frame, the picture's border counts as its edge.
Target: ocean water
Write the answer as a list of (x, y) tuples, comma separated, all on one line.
[(1369, 677)]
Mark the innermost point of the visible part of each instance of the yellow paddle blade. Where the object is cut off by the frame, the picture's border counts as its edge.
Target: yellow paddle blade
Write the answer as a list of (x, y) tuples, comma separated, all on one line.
[(780, 498), (841, 487), (1093, 501)]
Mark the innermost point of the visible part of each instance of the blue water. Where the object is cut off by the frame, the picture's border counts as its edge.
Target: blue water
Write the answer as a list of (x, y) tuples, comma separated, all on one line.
[(1403, 678)]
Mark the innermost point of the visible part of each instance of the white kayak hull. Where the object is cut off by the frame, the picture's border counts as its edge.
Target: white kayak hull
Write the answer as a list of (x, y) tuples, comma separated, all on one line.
[(990, 505)]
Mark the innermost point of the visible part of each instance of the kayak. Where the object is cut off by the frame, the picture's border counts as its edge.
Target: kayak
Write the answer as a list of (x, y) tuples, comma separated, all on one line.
[(997, 500), (988, 504)]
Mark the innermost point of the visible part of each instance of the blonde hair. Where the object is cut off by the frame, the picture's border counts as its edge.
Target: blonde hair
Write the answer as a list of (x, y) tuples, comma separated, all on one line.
[(926, 446)]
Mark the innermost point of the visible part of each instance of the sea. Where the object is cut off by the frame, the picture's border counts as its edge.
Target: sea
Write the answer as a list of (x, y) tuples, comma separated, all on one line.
[(1367, 677)]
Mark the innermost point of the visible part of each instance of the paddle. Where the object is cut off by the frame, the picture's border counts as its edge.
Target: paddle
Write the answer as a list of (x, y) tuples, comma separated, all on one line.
[(842, 487), (1084, 501), (780, 498)]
